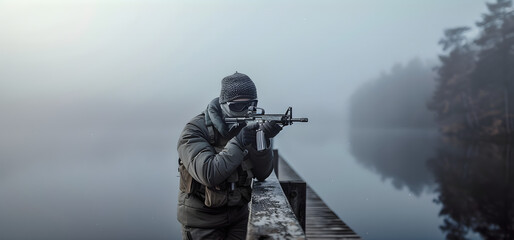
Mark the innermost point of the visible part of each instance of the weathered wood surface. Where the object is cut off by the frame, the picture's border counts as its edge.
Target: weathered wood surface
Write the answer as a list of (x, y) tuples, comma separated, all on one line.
[(294, 188), (271, 216), (321, 221)]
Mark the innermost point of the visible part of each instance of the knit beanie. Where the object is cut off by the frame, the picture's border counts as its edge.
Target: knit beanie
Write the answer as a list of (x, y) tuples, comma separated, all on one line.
[(236, 86)]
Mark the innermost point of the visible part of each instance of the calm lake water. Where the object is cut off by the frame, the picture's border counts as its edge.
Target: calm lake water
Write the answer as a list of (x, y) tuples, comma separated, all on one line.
[(120, 182), (413, 184)]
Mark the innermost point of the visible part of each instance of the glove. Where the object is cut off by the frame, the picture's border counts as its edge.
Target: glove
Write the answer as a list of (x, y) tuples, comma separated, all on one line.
[(247, 135), (271, 129), (236, 128)]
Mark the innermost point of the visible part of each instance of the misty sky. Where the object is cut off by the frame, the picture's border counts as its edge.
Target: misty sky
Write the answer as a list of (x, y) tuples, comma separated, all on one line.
[(314, 52)]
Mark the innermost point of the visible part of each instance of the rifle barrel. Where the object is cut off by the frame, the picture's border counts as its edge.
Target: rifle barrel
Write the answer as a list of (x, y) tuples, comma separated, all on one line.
[(299, 119)]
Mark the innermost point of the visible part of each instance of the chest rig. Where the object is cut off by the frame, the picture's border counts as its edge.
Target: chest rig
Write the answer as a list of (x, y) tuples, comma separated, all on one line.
[(234, 191)]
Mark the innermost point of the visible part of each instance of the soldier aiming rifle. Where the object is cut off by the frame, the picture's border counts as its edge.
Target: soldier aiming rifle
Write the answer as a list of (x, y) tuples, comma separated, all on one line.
[(220, 151)]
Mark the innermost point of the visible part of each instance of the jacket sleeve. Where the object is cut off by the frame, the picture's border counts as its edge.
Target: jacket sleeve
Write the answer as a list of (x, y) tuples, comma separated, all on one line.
[(200, 158), (262, 162)]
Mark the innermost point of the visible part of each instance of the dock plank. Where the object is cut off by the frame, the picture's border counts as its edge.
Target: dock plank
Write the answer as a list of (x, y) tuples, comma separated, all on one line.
[(321, 221)]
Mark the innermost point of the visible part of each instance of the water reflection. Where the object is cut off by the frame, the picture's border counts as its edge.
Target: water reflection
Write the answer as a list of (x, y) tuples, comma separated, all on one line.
[(475, 188), (396, 154), (471, 180)]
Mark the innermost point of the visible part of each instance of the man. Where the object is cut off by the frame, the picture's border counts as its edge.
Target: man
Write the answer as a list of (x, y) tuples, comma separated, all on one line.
[(217, 162)]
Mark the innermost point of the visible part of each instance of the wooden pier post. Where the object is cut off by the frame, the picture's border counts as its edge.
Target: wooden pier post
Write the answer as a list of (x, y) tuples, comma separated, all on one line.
[(295, 192), (294, 188)]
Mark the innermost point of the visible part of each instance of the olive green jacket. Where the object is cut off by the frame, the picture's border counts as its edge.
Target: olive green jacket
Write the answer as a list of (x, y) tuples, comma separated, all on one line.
[(211, 164)]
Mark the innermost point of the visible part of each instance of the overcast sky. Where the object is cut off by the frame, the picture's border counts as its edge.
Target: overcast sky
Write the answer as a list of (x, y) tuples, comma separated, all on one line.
[(174, 50)]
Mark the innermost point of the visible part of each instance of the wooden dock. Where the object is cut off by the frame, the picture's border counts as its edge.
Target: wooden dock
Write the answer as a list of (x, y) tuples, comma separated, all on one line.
[(320, 221), (271, 217)]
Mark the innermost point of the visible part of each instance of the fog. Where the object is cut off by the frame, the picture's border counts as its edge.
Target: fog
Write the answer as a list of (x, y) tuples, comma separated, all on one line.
[(93, 96)]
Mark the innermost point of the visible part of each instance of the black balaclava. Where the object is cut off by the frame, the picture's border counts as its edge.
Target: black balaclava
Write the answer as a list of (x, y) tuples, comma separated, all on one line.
[(233, 87)]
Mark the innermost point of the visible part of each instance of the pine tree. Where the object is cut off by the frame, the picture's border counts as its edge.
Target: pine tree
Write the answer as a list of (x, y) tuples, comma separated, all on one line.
[(496, 42), (452, 99), (475, 78)]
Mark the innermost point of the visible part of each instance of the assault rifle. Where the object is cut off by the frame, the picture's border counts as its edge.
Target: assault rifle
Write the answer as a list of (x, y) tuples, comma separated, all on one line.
[(254, 115)]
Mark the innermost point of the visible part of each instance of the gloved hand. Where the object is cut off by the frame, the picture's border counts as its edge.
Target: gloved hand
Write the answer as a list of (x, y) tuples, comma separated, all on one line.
[(236, 128), (247, 135), (271, 129)]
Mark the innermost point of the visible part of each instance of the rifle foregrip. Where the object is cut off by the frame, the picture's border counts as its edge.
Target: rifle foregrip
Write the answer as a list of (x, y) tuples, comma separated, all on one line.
[(261, 140)]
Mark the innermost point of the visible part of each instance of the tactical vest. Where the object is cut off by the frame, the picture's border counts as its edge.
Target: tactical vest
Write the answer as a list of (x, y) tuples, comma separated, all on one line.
[(234, 191)]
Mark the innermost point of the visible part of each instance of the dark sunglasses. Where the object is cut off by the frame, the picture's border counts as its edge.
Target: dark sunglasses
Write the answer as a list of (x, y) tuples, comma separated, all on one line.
[(239, 106)]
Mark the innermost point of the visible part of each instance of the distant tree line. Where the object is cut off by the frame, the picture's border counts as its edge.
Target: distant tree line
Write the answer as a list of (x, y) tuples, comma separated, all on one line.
[(396, 99), (473, 96)]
